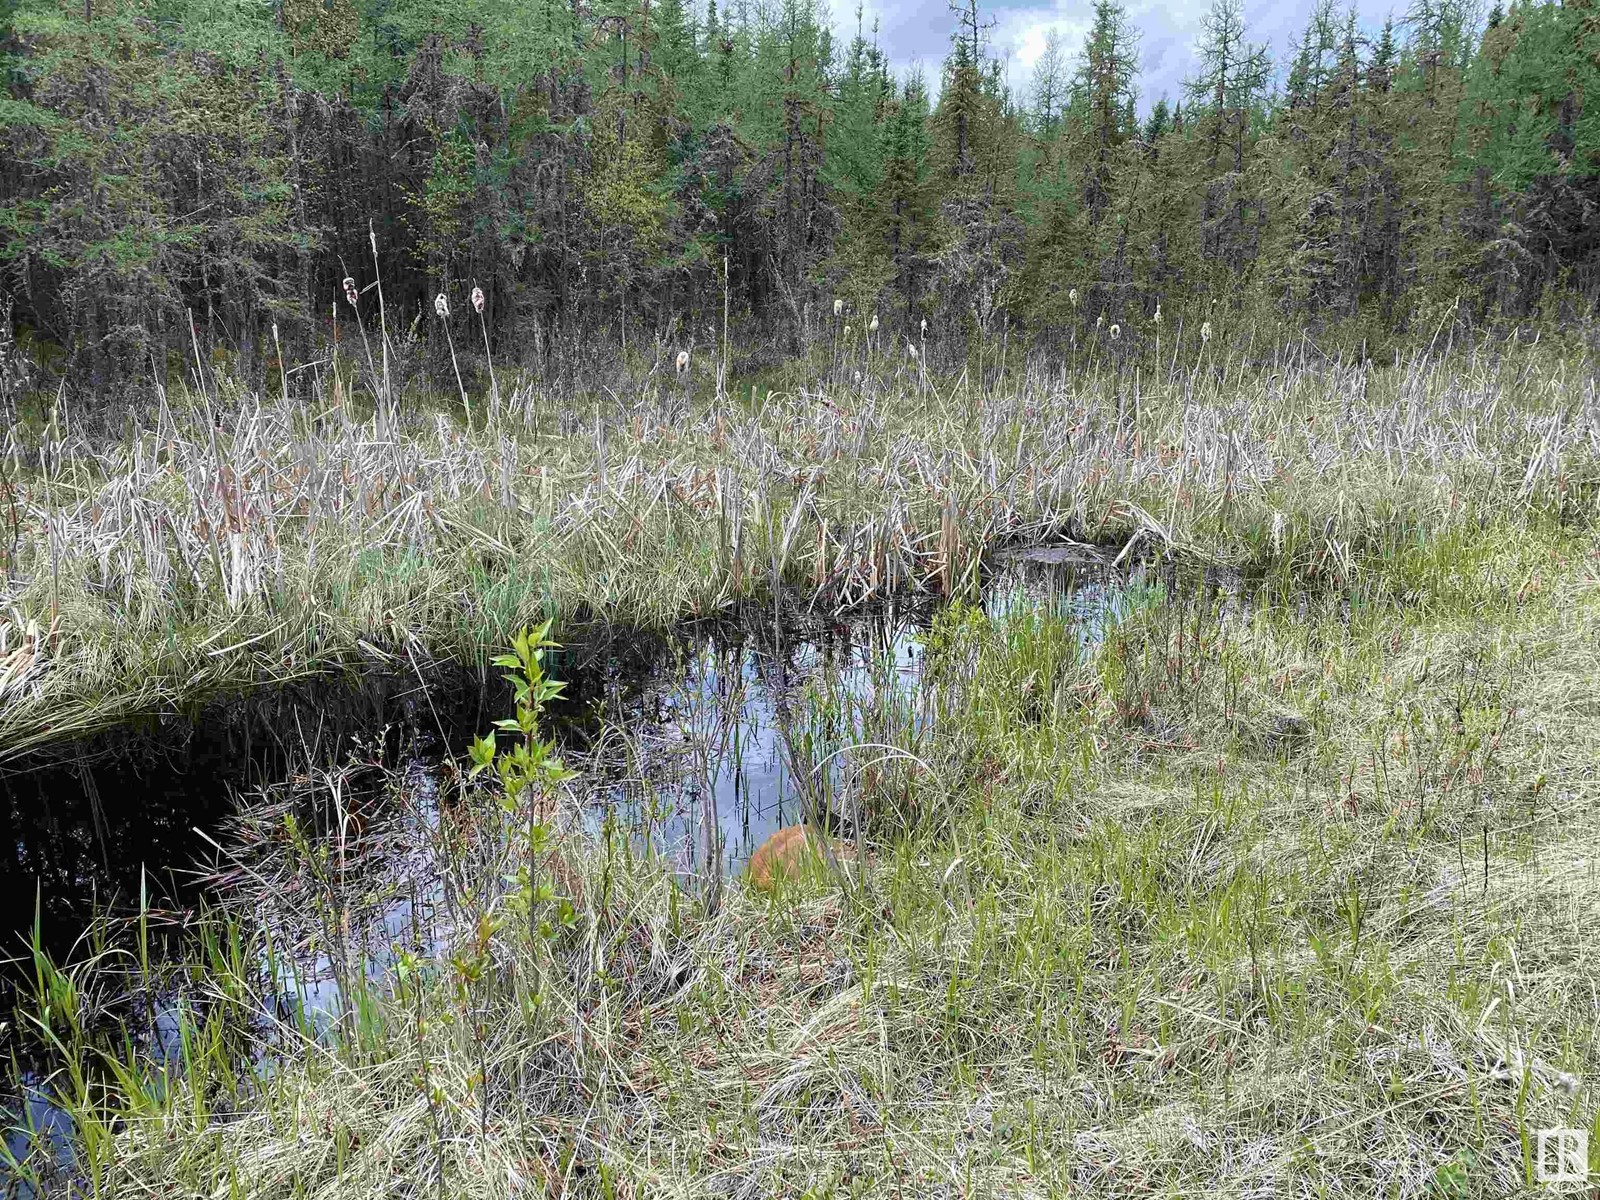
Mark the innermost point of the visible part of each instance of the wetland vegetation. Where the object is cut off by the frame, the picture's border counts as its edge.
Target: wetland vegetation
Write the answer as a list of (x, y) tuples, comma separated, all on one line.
[(604, 601), (1239, 838)]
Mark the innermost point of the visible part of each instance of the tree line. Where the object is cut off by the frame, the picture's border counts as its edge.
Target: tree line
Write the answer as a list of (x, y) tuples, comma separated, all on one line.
[(613, 172)]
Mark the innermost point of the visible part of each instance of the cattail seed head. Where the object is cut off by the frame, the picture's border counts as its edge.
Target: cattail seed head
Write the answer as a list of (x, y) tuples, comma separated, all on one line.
[(838, 307), (1205, 331), (911, 349), (847, 331), (1073, 297), (1158, 312), (924, 326), (350, 293), (857, 378), (683, 361), (441, 306), (872, 326), (477, 299), (1116, 332), (1100, 321)]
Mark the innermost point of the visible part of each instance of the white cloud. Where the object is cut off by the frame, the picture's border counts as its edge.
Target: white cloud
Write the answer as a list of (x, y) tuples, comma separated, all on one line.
[(919, 33), (1021, 35)]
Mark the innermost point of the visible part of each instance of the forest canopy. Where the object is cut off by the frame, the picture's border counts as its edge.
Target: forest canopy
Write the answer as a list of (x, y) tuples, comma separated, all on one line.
[(618, 170)]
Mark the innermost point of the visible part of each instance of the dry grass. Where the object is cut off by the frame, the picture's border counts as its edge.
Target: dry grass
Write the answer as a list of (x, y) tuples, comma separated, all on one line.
[(182, 556), (1295, 898), (1298, 900)]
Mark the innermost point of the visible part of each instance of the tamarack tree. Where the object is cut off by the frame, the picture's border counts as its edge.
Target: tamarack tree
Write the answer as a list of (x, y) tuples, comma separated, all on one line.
[(609, 173)]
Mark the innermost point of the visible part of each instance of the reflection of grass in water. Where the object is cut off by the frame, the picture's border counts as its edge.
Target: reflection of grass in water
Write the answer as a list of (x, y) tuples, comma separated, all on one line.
[(753, 734), (1299, 900), (1304, 901)]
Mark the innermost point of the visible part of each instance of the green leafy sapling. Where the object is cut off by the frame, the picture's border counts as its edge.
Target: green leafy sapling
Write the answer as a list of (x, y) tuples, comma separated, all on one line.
[(529, 769)]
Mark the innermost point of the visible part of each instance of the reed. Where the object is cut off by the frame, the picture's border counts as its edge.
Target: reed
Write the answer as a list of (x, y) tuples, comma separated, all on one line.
[(188, 555)]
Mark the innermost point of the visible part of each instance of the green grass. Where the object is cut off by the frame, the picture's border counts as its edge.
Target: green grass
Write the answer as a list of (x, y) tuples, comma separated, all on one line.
[(1296, 899), (1293, 897)]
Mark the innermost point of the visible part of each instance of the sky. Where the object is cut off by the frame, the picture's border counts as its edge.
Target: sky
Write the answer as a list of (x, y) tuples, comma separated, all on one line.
[(913, 33)]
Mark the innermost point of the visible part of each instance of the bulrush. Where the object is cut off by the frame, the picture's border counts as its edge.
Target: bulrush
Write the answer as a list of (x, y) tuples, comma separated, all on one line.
[(441, 306), (784, 855), (352, 296), (483, 327)]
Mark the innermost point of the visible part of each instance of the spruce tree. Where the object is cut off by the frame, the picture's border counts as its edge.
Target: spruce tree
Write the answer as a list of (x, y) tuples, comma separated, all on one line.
[(1226, 93), (1107, 70), (905, 196)]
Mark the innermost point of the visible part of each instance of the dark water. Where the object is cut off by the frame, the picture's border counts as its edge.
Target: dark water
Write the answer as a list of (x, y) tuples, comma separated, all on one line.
[(94, 825), (140, 812), (702, 743), (709, 714)]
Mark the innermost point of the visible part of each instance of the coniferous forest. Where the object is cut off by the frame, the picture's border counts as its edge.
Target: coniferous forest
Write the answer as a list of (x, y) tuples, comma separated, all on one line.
[(616, 172)]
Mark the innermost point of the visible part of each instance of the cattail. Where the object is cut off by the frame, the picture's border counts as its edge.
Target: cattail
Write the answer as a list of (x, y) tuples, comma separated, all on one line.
[(872, 326), (838, 307), (683, 361), (911, 349), (1072, 297), (350, 293), (483, 327), (1100, 322), (924, 326), (1158, 312), (441, 307), (1205, 331), (1116, 332), (857, 378), (847, 331)]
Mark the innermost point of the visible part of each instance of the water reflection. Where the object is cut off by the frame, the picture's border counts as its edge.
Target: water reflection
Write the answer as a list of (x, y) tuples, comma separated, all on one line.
[(94, 825), (701, 744), (724, 749), (694, 738)]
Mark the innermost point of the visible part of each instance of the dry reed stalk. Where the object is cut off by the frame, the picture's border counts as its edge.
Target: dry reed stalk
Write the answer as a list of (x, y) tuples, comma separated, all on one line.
[(258, 517)]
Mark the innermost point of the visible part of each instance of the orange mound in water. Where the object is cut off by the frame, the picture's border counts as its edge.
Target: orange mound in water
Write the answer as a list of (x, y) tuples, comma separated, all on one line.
[(782, 855)]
